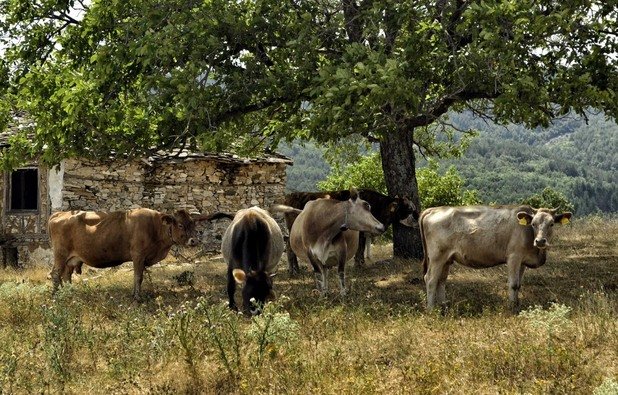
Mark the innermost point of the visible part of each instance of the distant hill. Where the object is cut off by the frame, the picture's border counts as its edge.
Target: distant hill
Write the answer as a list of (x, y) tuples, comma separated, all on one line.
[(508, 163), (309, 166)]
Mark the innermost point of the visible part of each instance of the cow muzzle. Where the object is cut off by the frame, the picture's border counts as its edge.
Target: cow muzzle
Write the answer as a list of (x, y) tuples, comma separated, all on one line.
[(540, 243), (192, 242)]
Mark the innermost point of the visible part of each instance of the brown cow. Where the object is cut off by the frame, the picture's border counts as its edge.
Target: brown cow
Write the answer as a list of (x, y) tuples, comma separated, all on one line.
[(325, 233), (252, 246), (106, 239), (482, 236), (384, 208)]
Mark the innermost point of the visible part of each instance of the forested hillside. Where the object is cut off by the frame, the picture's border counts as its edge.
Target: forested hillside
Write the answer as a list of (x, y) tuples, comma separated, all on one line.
[(508, 163), (309, 166)]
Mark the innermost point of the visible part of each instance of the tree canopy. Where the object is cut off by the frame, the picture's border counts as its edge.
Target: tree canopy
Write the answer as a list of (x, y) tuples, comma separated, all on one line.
[(129, 76)]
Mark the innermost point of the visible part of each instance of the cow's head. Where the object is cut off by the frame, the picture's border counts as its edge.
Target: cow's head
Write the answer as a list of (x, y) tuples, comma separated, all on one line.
[(181, 228), (404, 211), (358, 215), (542, 222), (257, 289)]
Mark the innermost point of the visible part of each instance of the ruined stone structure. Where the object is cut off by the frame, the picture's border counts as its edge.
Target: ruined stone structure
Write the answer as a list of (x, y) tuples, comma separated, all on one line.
[(202, 183)]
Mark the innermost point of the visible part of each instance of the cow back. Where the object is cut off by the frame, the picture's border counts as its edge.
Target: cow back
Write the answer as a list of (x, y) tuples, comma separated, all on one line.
[(102, 239), (476, 236), (253, 241)]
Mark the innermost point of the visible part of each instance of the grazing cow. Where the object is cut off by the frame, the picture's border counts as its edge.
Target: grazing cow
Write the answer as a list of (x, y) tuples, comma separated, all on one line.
[(325, 233), (106, 239), (482, 236), (384, 208), (252, 246)]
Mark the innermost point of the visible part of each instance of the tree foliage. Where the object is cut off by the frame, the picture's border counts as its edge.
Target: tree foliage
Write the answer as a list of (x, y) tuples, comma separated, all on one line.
[(126, 76), (435, 188), (550, 198)]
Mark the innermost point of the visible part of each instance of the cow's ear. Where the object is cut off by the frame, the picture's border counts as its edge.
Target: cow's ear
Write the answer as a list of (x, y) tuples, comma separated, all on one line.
[(353, 193), (563, 218), (524, 218), (239, 275), (168, 219)]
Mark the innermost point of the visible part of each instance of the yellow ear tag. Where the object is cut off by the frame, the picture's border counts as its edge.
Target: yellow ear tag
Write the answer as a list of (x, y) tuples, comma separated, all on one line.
[(523, 221), (564, 220)]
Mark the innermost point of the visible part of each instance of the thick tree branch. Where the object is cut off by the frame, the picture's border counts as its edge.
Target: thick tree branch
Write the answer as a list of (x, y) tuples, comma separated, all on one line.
[(444, 105), (353, 22)]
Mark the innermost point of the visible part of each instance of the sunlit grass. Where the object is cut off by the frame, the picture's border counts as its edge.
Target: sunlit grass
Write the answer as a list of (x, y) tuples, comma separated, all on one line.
[(91, 338)]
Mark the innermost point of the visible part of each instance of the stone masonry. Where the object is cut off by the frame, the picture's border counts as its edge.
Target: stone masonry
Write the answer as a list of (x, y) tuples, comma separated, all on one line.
[(201, 183)]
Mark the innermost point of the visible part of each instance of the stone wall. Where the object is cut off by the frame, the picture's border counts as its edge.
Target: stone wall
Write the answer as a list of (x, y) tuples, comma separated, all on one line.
[(203, 184)]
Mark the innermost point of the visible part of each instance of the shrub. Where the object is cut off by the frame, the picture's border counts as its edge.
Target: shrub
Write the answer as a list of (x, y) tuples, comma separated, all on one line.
[(434, 189), (366, 173), (550, 198), (549, 321), (609, 386), (443, 190)]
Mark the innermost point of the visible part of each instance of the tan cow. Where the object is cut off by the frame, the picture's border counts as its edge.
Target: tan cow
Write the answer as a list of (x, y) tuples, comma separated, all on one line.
[(482, 236), (386, 209), (105, 239), (326, 232)]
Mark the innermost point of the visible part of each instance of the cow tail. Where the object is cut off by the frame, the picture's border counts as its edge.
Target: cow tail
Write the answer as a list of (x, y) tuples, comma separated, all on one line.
[(250, 244), (424, 241)]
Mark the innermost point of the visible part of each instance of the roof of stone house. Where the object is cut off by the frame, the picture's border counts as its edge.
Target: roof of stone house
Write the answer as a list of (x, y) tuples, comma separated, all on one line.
[(20, 121), (175, 155), (185, 155)]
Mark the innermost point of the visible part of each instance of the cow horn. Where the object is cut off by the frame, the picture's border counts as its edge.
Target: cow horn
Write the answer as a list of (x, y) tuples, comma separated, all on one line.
[(353, 193)]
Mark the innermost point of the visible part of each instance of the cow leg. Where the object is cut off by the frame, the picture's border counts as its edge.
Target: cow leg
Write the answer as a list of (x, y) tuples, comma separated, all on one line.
[(67, 274), (441, 287), (138, 277), (341, 273), (359, 258), (435, 270), (292, 259), (293, 267), (57, 271), (231, 289), (515, 273), (319, 272)]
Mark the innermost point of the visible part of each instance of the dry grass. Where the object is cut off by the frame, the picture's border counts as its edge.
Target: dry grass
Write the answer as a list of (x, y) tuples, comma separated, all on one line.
[(91, 338)]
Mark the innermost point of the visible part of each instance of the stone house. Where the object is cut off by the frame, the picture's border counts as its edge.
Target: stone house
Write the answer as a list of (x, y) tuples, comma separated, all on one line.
[(198, 182)]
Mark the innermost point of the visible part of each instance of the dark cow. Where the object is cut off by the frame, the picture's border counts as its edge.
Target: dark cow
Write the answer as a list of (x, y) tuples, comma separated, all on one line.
[(384, 208), (105, 239), (252, 246), (325, 233), (482, 236)]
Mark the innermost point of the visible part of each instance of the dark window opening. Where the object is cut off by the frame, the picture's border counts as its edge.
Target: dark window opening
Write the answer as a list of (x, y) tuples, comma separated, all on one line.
[(24, 190)]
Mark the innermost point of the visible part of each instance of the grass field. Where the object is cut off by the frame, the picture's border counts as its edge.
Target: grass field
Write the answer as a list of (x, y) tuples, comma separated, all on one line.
[(90, 338)]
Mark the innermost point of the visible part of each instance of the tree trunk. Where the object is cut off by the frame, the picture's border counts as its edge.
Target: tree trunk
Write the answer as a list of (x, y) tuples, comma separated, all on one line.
[(398, 163)]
